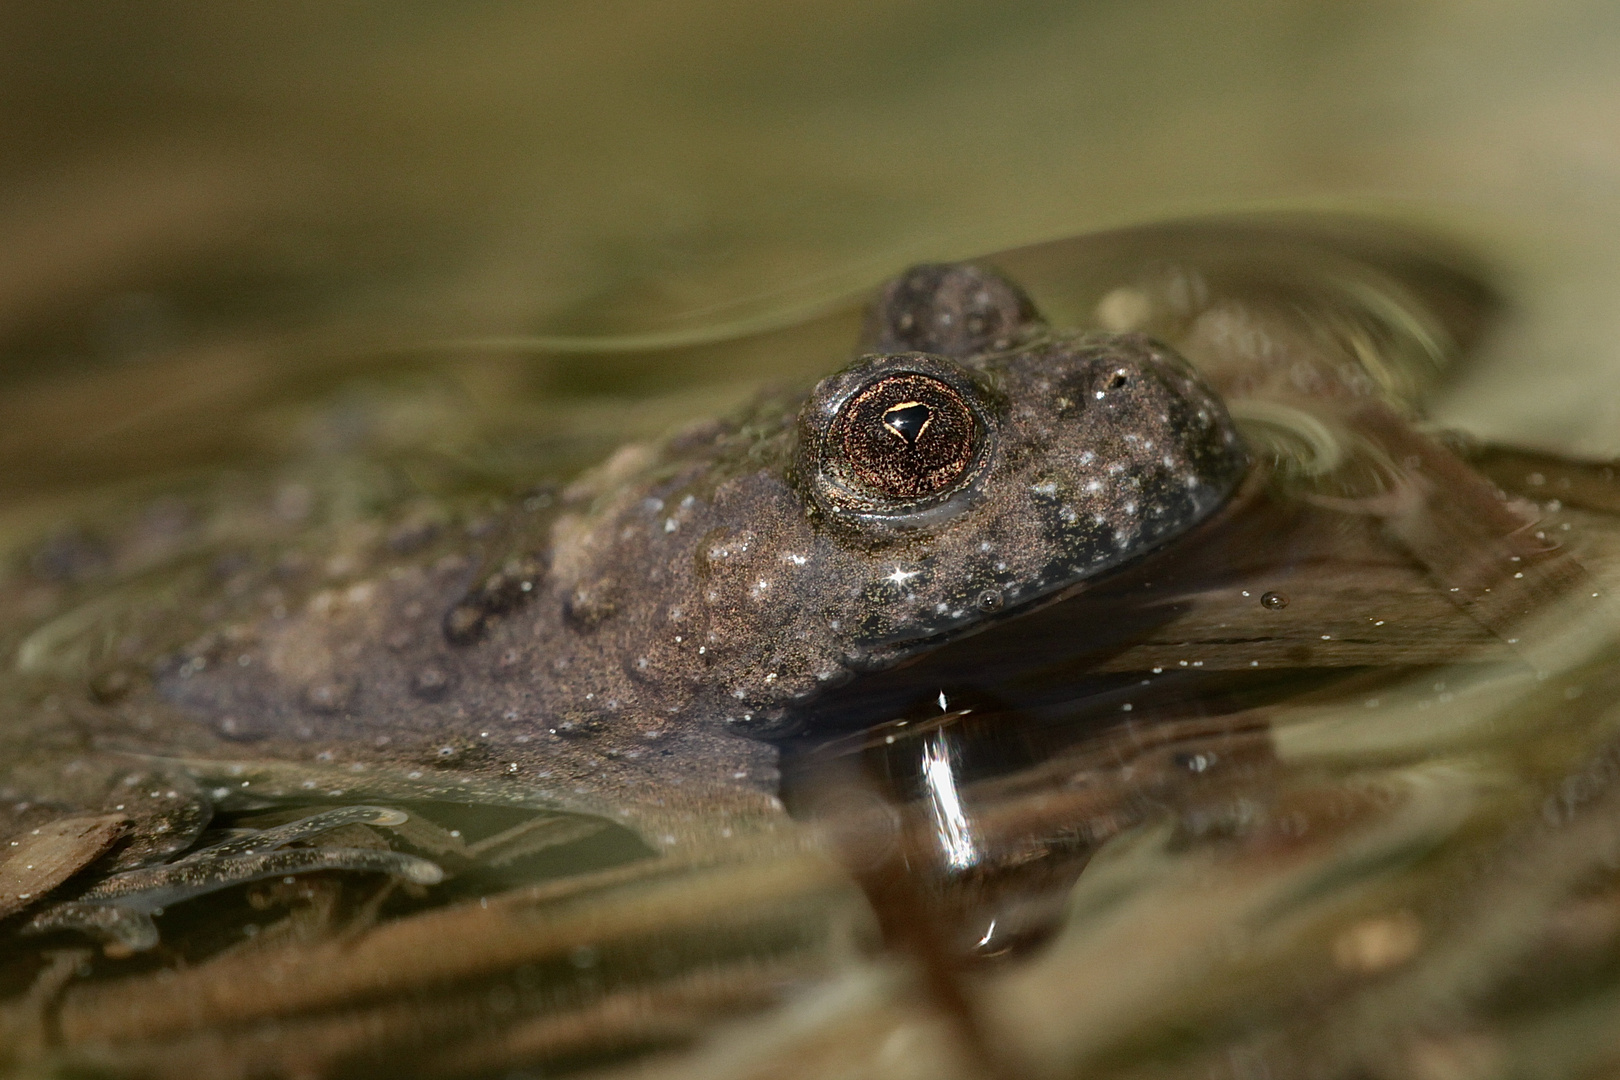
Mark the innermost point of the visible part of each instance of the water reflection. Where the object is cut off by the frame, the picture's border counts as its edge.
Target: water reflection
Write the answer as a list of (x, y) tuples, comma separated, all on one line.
[(953, 829)]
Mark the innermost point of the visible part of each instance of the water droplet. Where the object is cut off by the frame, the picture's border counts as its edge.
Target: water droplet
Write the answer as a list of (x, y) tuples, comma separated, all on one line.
[(1274, 601)]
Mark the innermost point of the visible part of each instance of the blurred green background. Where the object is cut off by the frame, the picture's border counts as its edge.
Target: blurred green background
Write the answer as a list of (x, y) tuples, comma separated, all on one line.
[(184, 176)]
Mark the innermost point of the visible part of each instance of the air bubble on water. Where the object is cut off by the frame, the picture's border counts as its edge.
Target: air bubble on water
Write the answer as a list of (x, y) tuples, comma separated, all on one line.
[(1273, 601)]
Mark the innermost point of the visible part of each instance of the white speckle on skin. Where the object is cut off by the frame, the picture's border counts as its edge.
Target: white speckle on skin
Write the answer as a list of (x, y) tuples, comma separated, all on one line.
[(670, 525), (900, 577), (794, 558), (1046, 487), (1093, 485)]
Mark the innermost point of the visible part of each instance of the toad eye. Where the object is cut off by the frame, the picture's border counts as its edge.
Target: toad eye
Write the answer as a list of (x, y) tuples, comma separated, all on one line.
[(904, 437), (897, 442)]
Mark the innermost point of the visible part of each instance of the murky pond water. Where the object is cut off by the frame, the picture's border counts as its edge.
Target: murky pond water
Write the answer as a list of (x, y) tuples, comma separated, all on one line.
[(1295, 763), (306, 414)]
